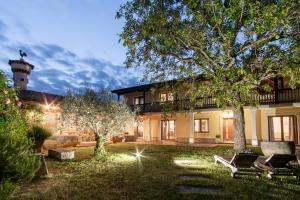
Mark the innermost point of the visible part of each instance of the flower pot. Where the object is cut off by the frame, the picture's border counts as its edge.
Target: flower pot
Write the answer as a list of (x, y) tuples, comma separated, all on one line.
[(269, 148)]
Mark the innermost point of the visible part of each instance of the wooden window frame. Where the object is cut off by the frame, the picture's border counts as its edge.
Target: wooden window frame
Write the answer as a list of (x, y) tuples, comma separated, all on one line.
[(161, 128), (295, 128), (200, 127), (167, 99), (138, 97)]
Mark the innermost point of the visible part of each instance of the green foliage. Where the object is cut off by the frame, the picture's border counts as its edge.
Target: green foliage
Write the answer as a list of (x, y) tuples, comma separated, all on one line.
[(38, 133), (33, 114), (235, 44), (226, 49), (97, 112), (155, 176), (17, 164), (6, 189)]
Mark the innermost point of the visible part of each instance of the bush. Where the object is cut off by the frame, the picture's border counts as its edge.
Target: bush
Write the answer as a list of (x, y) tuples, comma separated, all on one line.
[(38, 134), (17, 162)]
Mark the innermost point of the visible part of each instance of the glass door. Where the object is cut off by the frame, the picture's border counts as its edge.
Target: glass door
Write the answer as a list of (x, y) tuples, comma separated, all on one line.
[(167, 129), (283, 128)]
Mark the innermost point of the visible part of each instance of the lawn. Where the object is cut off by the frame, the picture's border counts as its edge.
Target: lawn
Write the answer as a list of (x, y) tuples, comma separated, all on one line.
[(158, 175)]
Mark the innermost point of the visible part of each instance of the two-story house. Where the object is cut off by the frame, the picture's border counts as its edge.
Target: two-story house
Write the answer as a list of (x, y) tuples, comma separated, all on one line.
[(276, 119)]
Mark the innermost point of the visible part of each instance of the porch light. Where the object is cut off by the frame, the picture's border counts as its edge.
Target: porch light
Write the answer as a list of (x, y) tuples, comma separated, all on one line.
[(227, 114)]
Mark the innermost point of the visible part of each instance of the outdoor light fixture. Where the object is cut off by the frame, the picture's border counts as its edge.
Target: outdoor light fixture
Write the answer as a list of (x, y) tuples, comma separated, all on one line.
[(138, 154), (227, 114), (47, 106)]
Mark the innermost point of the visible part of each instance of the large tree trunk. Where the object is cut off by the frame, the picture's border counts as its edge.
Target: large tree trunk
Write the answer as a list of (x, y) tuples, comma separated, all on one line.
[(239, 130)]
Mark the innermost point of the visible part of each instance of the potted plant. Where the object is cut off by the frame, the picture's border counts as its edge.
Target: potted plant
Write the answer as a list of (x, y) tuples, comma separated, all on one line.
[(38, 135), (218, 138)]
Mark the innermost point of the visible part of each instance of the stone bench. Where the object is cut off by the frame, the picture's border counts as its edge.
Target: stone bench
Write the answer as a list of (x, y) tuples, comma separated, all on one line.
[(61, 154)]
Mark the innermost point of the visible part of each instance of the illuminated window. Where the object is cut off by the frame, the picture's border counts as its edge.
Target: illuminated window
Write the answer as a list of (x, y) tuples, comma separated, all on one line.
[(282, 128), (170, 96), (201, 125), (163, 97), (167, 129), (166, 97), (138, 100)]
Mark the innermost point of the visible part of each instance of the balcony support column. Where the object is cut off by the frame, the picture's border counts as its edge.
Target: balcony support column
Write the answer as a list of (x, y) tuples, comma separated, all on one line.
[(149, 128), (298, 128), (254, 140), (191, 128)]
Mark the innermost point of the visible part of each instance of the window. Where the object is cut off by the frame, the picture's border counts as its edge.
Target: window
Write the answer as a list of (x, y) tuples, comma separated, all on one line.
[(170, 96), (201, 125), (166, 97), (167, 129), (282, 128), (139, 130), (138, 100)]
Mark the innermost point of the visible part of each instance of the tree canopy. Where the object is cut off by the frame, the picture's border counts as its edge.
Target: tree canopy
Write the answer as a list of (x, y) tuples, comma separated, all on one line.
[(236, 45), (98, 112)]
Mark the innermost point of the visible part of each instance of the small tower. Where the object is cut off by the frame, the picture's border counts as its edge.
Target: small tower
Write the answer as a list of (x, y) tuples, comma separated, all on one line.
[(21, 70)]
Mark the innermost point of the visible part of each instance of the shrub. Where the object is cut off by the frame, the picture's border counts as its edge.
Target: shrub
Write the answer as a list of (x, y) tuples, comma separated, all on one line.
[(17, 163), (38, 133)]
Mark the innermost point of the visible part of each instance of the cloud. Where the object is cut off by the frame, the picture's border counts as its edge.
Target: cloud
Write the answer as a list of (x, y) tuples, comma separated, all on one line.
[(3, 26), (58, 69)]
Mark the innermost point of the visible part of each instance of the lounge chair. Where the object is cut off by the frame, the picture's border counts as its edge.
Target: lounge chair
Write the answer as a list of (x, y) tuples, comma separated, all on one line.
[(279, 165), (240, 164)]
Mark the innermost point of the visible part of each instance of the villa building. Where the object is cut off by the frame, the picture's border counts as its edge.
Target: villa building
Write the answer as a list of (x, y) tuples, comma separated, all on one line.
[(276, 119), (49, 104)]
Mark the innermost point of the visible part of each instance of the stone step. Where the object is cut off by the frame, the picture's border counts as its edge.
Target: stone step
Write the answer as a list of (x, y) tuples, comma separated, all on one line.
[(186, 189)]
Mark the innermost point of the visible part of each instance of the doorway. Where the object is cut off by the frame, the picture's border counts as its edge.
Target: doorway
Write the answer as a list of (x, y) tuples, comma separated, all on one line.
[(228, 130), (167, 129)]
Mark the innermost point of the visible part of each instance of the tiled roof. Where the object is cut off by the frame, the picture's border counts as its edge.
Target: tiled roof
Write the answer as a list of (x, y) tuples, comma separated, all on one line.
[(40, 97)]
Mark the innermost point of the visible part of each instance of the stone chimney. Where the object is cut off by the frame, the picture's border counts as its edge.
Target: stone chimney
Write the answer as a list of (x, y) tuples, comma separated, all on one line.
[(21, 70)]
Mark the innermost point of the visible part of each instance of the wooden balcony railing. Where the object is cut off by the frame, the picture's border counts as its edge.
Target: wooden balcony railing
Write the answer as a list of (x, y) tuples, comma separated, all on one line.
[(275, 97)]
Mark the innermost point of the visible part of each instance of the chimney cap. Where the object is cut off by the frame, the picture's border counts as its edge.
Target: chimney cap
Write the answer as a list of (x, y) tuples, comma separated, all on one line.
[(21, 62)]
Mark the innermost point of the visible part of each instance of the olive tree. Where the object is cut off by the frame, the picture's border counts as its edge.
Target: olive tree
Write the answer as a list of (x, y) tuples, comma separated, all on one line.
[(96, 111), (236, 46)]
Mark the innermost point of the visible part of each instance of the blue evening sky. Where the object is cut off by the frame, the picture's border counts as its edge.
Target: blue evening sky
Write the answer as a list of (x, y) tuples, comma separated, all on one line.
[(72, 43)]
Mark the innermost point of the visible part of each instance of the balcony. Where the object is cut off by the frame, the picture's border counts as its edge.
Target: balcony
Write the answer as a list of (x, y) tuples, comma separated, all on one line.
[(275, 97)]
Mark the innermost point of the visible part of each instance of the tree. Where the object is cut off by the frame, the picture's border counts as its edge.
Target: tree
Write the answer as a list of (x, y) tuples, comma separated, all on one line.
[(97, 112), (236, 46), (17, 162)]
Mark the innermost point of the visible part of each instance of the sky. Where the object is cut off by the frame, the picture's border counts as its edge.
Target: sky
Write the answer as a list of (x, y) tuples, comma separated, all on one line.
[(72, 43)]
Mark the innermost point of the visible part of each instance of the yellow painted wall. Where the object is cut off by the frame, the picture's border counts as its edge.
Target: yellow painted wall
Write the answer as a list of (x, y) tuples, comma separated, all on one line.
[(214, 124), (182, 127), (266, 112), (248, 123)]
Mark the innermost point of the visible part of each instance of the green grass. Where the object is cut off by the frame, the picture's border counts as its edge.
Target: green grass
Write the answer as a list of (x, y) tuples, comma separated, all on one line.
[(155, 177)]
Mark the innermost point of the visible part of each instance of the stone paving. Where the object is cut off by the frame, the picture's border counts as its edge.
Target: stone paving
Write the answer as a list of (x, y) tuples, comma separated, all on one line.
[(201, 184)]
